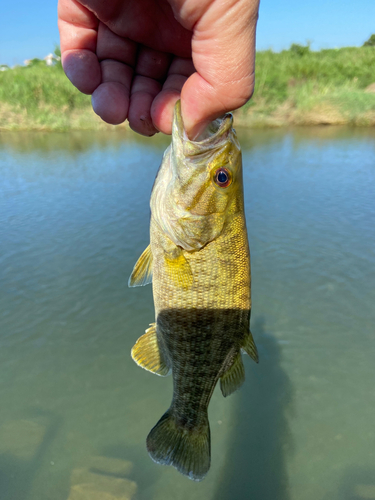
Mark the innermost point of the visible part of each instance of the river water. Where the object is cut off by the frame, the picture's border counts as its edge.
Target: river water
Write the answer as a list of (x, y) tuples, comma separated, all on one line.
[(75, 409)]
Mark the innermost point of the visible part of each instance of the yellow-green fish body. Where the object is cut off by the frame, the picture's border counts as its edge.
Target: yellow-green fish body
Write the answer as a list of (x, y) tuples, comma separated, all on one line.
[(199, 262)]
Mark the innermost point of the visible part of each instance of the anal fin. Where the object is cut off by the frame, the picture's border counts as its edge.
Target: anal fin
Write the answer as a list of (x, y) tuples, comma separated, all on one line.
[(146, 353), (142, 272), (250, 348), (234, 377)]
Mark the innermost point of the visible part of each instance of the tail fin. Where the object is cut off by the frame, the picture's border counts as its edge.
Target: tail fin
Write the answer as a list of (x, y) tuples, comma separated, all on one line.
[(188, 450)]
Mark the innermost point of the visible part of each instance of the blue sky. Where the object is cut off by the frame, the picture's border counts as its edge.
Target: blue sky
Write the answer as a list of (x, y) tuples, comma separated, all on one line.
[(29, 29)]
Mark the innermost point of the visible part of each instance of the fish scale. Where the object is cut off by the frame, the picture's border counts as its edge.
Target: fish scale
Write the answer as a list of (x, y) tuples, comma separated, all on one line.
[(223, 282), (199, 263)]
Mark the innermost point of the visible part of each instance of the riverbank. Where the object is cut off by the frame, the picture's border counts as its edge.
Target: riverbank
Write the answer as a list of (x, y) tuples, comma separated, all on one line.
[(293, 87)]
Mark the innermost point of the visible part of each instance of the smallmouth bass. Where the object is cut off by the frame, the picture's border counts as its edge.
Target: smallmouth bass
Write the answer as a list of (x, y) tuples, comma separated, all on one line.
[(199, 263)]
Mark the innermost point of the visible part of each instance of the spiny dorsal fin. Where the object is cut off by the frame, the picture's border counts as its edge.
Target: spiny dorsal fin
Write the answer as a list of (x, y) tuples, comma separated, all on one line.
[(179, 269), (146, 353), (142, 272), (250, 348), (233, 378)]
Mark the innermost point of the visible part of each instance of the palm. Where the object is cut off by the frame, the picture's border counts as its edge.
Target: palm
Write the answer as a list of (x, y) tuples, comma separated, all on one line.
[(113, 59), (136, 59), (147, 22)]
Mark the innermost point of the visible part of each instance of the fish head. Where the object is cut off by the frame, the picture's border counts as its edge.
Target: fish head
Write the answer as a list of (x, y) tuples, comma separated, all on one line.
[(200, 183)]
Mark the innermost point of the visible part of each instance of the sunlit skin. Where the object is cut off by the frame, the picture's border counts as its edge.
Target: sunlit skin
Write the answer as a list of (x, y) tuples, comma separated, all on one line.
[(137, 57)]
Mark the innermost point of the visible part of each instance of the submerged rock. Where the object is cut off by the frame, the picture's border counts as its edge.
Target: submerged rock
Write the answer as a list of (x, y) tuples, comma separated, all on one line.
[(92, 492), (109, 465), (365, 491), (101, 481), (21, 438)]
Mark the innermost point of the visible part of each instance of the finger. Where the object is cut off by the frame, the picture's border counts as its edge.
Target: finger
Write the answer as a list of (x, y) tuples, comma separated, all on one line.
[(223, 53), (151, 68), (143, 93), (82, 68), (202, 101), (111, 99), (117, 55), (112, 46), (78, 35), (163, 104), (75, 21)]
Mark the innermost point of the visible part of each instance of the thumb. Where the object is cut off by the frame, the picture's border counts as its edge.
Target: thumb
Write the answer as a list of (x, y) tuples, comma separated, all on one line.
[(223, 53), (202, 102)]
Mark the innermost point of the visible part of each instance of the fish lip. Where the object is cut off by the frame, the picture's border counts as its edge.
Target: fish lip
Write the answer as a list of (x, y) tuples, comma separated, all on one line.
[(222, 127)]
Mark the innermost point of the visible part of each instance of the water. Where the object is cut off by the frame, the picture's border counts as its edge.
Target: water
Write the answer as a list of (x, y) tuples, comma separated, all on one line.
[(74, 219)]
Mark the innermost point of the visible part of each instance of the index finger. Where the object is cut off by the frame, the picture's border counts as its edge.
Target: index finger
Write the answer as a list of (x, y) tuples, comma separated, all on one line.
[(78, 36)]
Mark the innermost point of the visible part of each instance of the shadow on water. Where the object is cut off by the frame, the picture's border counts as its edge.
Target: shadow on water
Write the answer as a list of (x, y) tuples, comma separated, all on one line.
[(358, 484), (255, 467), (24, 445)]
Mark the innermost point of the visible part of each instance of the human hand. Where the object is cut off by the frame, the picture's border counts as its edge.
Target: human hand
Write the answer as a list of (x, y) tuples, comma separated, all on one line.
[(137, 57)]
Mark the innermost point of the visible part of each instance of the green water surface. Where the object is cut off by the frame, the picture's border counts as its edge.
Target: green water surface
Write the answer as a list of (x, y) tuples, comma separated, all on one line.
[(74, 219)]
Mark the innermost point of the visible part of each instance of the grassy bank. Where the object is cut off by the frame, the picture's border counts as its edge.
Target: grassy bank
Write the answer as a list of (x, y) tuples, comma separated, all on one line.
[(298, 86), (295, 86), (41, 97)]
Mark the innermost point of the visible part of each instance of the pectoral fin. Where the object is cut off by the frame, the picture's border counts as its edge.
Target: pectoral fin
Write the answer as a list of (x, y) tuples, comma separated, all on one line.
[(233, 378), (142, 272), (250, 348), (179, 269), (146, 353)]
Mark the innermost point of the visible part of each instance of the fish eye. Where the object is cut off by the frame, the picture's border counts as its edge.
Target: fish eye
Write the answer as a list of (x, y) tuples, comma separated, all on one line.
[(223, 177)]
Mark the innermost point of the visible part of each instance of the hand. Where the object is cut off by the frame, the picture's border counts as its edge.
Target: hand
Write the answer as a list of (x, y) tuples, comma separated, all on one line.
[(137, 57)]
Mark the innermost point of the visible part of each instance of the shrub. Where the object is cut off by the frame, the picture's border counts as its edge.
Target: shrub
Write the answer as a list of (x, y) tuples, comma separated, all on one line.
[(370, 42)]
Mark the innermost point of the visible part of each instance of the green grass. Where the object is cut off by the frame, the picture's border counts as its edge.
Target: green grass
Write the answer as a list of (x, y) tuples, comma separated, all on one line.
[(41, 97), (38, 85), (277, 71), (296, 81), (294, 86)]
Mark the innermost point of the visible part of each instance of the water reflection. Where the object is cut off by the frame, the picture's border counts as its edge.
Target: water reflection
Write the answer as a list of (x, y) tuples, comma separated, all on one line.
[(255, 465), (304, 135), (74, 143)]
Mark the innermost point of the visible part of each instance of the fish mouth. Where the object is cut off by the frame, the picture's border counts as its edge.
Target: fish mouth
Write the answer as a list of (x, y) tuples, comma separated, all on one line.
[(211, 138)]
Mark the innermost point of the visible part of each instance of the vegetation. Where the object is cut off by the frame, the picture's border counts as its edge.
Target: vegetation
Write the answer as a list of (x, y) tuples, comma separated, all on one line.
[(295, 86), (305, 87), (370, 42), (38, 96)]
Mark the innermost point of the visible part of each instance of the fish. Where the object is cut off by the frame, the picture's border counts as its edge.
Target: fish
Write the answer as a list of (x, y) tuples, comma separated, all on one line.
[(198, 261)]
